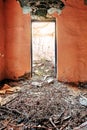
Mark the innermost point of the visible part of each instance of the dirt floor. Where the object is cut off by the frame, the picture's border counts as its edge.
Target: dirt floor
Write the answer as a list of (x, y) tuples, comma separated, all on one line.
[(43, 103)]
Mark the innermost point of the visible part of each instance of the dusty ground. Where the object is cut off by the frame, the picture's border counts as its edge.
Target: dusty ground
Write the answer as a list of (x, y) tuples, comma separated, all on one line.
[(44, 103)]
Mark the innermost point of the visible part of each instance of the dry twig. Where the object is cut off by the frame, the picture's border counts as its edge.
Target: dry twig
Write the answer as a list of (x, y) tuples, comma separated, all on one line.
[(50, 119)]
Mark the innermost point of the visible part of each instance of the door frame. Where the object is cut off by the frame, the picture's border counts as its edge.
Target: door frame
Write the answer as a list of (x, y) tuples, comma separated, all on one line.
[(51, 20)]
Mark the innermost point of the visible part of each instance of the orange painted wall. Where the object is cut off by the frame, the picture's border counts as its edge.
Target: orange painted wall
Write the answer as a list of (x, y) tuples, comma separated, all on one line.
[(2, 40), (17, 61), (72, 42)]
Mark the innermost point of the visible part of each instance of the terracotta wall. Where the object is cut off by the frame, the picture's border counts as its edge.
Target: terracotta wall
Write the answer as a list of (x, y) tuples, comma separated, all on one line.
[(2, 40), (17, 61), (15, 47), (72, 42), (71, 39)]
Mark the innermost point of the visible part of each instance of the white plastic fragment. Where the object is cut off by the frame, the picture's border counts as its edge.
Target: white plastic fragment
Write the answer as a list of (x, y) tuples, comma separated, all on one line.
[(50, 80), (37, 84), (83, 100)]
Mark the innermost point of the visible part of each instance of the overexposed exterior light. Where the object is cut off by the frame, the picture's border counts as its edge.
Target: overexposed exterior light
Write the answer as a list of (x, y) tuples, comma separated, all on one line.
[(26, 9), (43, 41)]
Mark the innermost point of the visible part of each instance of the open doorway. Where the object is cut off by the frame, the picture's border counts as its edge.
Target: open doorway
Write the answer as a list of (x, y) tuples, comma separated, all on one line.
[(44, 53)]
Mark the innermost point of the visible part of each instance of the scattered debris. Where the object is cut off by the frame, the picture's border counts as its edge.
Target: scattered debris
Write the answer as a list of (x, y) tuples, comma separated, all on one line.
[(66, 118), (6, 86), (50, 119), (7, 98), (50, 105), (36, 84), (45, 77), (15, 127), (50, 80), (64, 126), (8, 89), (83, 100), (83, 126), (2, 91)]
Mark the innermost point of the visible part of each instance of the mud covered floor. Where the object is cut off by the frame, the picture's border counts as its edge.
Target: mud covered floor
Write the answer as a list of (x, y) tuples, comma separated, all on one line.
[(43, 103)]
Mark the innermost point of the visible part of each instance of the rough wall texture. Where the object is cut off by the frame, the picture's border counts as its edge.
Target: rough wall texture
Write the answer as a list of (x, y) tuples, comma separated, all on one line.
[(72, 42), (17, 61), (2, 40), (71, 37)]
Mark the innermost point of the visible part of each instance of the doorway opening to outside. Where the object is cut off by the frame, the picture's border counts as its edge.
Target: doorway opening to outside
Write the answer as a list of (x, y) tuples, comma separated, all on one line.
[(44, 50)]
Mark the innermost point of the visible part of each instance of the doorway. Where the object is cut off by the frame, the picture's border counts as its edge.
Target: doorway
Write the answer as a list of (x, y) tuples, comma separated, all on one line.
[(44, 53)]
